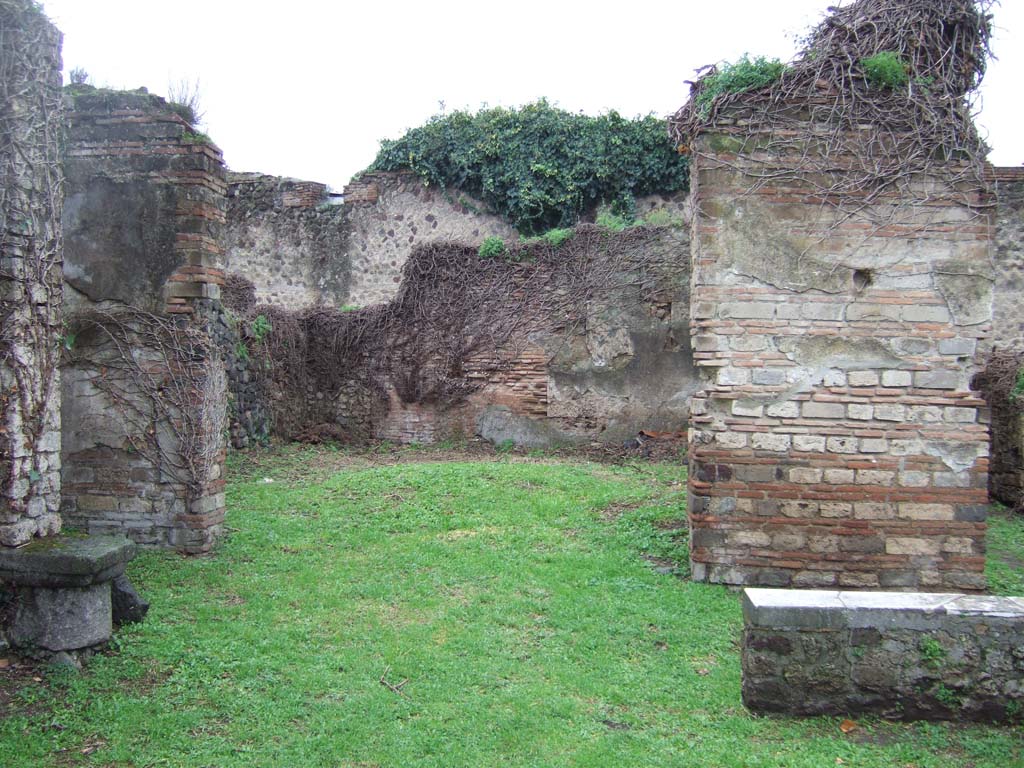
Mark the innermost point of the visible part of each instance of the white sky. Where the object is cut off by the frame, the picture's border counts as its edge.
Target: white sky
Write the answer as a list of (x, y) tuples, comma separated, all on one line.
[(309, 87)]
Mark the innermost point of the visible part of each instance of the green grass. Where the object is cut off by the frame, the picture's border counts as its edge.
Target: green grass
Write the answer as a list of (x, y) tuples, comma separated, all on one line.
[(1004, 564), (509, 594)]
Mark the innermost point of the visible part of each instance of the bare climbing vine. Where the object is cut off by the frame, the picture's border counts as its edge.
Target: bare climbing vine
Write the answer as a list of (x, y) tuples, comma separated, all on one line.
[(1001, 383), (31, 195), (156, 372), (457, 320), (863, 140)]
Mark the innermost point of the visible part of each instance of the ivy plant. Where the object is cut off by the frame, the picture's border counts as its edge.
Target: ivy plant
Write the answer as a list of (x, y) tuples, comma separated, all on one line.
[(538, 166)]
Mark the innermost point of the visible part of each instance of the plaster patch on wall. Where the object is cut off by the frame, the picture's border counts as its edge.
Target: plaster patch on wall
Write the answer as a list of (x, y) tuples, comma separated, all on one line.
[(848, 354), (958, 456), (967, 288)]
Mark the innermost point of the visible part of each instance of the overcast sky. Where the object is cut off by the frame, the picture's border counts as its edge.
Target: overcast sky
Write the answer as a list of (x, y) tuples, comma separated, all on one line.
[(307, 88)]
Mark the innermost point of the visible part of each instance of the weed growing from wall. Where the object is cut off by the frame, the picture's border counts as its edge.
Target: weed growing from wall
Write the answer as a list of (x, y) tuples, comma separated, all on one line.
[(746, 74), (909, 69), (885, 70)]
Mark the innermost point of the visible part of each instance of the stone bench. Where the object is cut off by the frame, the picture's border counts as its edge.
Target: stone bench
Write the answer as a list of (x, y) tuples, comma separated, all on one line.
[(62, 594), (901, 655)]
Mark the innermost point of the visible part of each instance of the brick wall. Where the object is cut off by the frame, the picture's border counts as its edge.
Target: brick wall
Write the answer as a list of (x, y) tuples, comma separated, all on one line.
[(519, 387), (30, 274), (599, 368), (838, 441), (143, 227)]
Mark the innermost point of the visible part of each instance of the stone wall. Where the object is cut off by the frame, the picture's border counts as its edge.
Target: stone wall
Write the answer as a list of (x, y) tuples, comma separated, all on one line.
[(286, 237), (904, 656), (144, 390), (30, 273), (1006, 478), (623, 366), (1008, 319), (390, 214), (838, 441), (300, 250)]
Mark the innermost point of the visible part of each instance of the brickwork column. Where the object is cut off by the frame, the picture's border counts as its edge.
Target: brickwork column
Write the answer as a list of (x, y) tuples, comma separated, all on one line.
[(144, 422), (837, 442)]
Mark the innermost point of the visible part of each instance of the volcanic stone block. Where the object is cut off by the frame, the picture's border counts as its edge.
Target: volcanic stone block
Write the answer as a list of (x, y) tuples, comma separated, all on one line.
[(62, 590), (906, 655)]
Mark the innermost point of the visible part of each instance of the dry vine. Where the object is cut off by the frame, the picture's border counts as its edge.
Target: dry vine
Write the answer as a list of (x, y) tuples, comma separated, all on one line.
[(1001, 383), (157, 374), (860, 147), (31, 197), (456, 321)]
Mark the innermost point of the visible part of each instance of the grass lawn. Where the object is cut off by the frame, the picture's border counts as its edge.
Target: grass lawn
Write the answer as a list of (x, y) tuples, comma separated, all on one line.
[(483, 612)]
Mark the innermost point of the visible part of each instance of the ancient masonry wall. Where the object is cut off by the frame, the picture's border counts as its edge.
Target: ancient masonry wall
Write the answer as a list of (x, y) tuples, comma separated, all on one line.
[(30, 274), (286, 237), (1008, 318), (301, 250), (1006, 479), (624, 367), (905, 656), (391, 213), (143, 220), (838, 441)]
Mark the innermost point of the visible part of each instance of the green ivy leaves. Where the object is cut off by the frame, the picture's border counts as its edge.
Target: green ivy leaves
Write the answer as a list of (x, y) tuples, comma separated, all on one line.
[(541, 167)]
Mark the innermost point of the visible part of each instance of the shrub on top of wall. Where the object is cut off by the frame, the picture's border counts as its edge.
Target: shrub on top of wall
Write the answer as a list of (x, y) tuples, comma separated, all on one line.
[(538, 166)]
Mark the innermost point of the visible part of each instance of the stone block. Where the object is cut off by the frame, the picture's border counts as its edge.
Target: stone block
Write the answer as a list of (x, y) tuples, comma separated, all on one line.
[(733, 376), (958, 347), (767, 441), (860, 411), (747, 408), (938, 379), (66, 561), (809, 443), (805, 475), (917, 313), (908, 545), (821, 311), (787, 410), (874, 445), (127, 606), (838, 476), (911, 511), (62, 619), (746, 310), (815, 410), (769, 377), (858, 311), (897, 378), (731, 439), (750, 539), (890, 412), (862, 378), (842, 445), (779, 609), (878, 477)]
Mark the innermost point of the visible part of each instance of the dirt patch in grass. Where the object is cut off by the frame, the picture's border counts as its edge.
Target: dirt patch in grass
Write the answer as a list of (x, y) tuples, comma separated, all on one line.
[(16, 679)]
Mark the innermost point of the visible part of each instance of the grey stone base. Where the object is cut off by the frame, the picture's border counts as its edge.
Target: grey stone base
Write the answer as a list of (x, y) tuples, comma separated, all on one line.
[(61, 619), (908, 656), (60, 592)]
